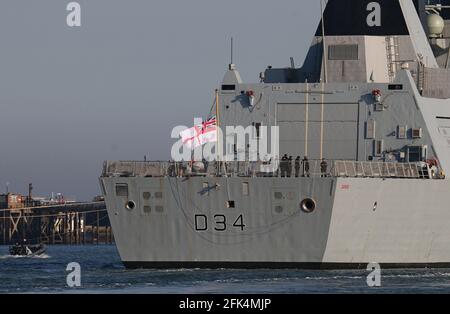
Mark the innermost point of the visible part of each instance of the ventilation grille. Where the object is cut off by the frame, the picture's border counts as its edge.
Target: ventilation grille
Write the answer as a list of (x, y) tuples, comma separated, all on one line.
[(343, 52)]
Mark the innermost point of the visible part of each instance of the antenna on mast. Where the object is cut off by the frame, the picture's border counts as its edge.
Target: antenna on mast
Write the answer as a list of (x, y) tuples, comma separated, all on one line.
[(232, 48), (232, 66)]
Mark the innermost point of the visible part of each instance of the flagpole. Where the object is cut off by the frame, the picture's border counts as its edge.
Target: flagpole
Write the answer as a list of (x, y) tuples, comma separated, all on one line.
[(218, 150), (324, 80), (324, 45)]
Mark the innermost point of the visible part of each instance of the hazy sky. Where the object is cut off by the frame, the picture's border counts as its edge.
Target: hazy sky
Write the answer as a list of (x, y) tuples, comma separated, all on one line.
[(116, 86)]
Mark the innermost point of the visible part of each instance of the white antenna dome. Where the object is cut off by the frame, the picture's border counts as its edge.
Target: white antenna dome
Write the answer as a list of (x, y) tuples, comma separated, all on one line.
[(435, 25)]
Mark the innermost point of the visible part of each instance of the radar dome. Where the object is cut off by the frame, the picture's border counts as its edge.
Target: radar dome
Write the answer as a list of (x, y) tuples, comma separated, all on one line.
[(435, 25)]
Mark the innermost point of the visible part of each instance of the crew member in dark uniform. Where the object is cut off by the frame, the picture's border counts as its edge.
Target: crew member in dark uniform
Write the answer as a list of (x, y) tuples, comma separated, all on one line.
[(283, 165), (289, 166), (297, 166), (305, 163), (323, 168)]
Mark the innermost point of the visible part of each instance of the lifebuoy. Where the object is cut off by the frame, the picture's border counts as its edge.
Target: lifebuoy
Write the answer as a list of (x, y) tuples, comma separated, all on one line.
[(376, 93)]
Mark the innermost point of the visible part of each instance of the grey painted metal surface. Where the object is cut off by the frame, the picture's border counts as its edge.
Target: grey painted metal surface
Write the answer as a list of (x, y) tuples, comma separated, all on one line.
[(276, 229), (376, 108)]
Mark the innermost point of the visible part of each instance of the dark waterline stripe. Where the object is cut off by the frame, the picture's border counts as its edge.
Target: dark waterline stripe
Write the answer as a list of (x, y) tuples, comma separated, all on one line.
[(277, 265)]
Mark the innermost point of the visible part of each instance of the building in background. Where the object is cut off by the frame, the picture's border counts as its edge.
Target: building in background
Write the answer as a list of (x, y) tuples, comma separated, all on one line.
[(11, 201)]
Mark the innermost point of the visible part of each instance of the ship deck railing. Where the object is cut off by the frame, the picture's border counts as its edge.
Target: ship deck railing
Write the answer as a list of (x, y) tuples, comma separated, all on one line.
[(335, 168)]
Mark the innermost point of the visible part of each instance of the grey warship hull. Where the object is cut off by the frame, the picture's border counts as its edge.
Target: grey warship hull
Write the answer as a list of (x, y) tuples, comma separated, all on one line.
[(405, 230), (383, 128)]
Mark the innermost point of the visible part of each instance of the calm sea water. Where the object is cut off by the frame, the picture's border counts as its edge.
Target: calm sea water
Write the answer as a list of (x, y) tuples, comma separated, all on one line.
[(102, 272)]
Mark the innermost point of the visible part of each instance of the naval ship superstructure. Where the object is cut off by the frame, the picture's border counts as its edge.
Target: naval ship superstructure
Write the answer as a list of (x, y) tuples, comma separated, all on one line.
[(372, 100)]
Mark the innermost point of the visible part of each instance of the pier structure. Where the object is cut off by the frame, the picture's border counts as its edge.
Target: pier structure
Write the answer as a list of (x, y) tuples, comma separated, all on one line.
[(67, 224)]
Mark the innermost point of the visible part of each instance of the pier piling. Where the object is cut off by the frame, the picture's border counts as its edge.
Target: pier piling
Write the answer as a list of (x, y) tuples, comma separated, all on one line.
[(74, 224)]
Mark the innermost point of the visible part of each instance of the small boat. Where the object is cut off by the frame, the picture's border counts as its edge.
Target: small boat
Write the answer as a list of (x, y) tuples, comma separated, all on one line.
[(27, 250)]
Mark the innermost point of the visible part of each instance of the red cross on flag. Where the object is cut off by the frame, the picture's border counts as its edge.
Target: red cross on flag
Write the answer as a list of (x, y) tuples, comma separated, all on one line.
[(200, 134)]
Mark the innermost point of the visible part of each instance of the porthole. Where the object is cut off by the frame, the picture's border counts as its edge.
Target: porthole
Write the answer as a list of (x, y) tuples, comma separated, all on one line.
[(308, 205), (130, 205)]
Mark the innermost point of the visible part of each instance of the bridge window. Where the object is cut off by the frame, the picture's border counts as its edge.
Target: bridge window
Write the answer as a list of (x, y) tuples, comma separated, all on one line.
[(395, 87), (401, 134), (378, 147), (228, 87), (416, 153), (417, 133)]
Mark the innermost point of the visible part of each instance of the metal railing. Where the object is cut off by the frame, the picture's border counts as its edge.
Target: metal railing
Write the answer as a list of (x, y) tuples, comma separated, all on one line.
[(312, 168)]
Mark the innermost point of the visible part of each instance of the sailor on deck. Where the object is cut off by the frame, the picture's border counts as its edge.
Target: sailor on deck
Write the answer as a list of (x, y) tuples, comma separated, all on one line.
[(297, 166), (323, 168), (289, 166), (283, 165), (305, 163)]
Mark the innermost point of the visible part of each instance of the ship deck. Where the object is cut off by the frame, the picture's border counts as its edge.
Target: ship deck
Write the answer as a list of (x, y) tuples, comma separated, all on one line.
[(334, 168)]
